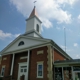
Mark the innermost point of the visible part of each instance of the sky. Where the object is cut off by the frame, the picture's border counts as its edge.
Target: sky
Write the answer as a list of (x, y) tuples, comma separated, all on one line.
[(59, 18)]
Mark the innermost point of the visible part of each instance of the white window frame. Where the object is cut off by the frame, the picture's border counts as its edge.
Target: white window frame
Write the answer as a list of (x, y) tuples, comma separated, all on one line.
[(39, 63), (1, 71), (25, 57)]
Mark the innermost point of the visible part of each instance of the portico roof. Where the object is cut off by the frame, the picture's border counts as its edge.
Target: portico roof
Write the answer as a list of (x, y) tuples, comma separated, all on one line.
[(63, 62)]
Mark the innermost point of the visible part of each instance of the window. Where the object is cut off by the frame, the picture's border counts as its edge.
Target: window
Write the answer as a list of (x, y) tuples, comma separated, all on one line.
[(58, 73), (3, 70), (37, 27), (76, 68), (39, 70), (21, 43), (23, 68)]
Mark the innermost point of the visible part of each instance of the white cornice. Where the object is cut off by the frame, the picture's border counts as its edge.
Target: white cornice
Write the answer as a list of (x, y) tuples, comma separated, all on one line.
[(26, 49), (21, 36), (34, 17)]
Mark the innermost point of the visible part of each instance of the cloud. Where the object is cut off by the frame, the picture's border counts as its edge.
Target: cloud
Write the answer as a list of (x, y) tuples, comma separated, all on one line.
[(58, 28), (48, 10), (71, 2), (46, 23), (16, 35), (67, 49), (75, 45), (69, 30), (4, 35), (63, 47), (77, 56), (79, 17)]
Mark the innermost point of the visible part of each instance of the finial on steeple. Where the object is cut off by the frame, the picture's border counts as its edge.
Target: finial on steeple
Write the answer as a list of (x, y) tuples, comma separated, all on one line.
[(33, 13), (34, 3)]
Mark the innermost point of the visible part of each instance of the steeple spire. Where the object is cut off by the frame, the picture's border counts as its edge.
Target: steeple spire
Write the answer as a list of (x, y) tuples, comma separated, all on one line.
[(33, 13)]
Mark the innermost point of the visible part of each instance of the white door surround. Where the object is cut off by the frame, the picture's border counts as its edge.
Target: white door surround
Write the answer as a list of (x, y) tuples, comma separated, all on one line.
[(76, 75), (22, 70)]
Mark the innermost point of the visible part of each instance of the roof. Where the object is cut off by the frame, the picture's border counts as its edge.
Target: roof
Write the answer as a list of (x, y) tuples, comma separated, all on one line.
[(33, 13), (55, 46), (73, 61), (32, 31)]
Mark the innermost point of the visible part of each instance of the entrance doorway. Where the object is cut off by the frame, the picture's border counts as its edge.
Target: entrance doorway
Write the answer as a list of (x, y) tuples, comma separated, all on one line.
[(77, 75), (76, 72), (22, 70)]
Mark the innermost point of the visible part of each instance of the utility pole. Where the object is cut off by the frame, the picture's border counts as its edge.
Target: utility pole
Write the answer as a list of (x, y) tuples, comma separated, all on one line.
[(65, 38)]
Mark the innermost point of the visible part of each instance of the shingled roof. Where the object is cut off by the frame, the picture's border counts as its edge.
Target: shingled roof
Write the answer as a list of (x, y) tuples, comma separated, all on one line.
[(73, 61), (33, 13)]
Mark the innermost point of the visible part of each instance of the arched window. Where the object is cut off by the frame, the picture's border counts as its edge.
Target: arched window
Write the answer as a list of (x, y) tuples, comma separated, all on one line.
[(37, 27), (21, 43)]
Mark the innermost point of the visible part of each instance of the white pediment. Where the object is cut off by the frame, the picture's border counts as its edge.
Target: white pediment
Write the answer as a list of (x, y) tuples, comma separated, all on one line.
[(28, 42)]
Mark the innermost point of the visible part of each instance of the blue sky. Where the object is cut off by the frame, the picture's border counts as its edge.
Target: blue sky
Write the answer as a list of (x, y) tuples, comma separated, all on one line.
[(55, 16)]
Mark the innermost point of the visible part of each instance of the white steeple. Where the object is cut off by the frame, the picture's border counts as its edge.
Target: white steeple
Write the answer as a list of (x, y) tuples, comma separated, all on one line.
[(33, 27)]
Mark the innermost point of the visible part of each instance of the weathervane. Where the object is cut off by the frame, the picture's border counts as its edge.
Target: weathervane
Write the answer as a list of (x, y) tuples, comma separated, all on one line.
[(34, 3)]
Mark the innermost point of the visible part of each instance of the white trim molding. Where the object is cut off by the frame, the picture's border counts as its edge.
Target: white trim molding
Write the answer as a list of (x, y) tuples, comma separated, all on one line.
[(72, 71), (22, 63), (19, 67), (28, 60), (5, 58), (40, 52), (25, 57), (39, 63)]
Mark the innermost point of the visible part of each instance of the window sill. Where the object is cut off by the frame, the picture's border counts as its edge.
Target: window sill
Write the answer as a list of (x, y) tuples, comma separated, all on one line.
[(39, 76)]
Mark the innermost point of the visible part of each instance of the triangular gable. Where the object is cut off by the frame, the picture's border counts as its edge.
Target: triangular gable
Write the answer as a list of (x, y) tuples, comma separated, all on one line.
[(28, 42)]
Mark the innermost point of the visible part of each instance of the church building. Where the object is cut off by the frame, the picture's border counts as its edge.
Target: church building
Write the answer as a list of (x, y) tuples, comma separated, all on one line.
[(32, 57)]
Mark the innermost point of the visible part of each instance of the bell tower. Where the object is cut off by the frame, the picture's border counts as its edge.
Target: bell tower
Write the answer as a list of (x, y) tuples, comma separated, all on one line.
[(33, 27)]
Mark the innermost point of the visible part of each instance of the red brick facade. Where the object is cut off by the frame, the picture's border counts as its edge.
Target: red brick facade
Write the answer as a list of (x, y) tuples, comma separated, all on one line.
[(6, 61), (34, 58), (58, 56), (16, 65)]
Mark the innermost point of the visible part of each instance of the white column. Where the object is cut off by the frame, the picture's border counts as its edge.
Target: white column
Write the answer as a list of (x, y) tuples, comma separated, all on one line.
[(72, 72), (28, 60), (12, 64)]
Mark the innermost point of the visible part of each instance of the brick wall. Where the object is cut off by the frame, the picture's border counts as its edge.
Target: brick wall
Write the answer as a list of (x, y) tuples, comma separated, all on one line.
[(34, 58), (16, 65), (6, 61), (58, 56)]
